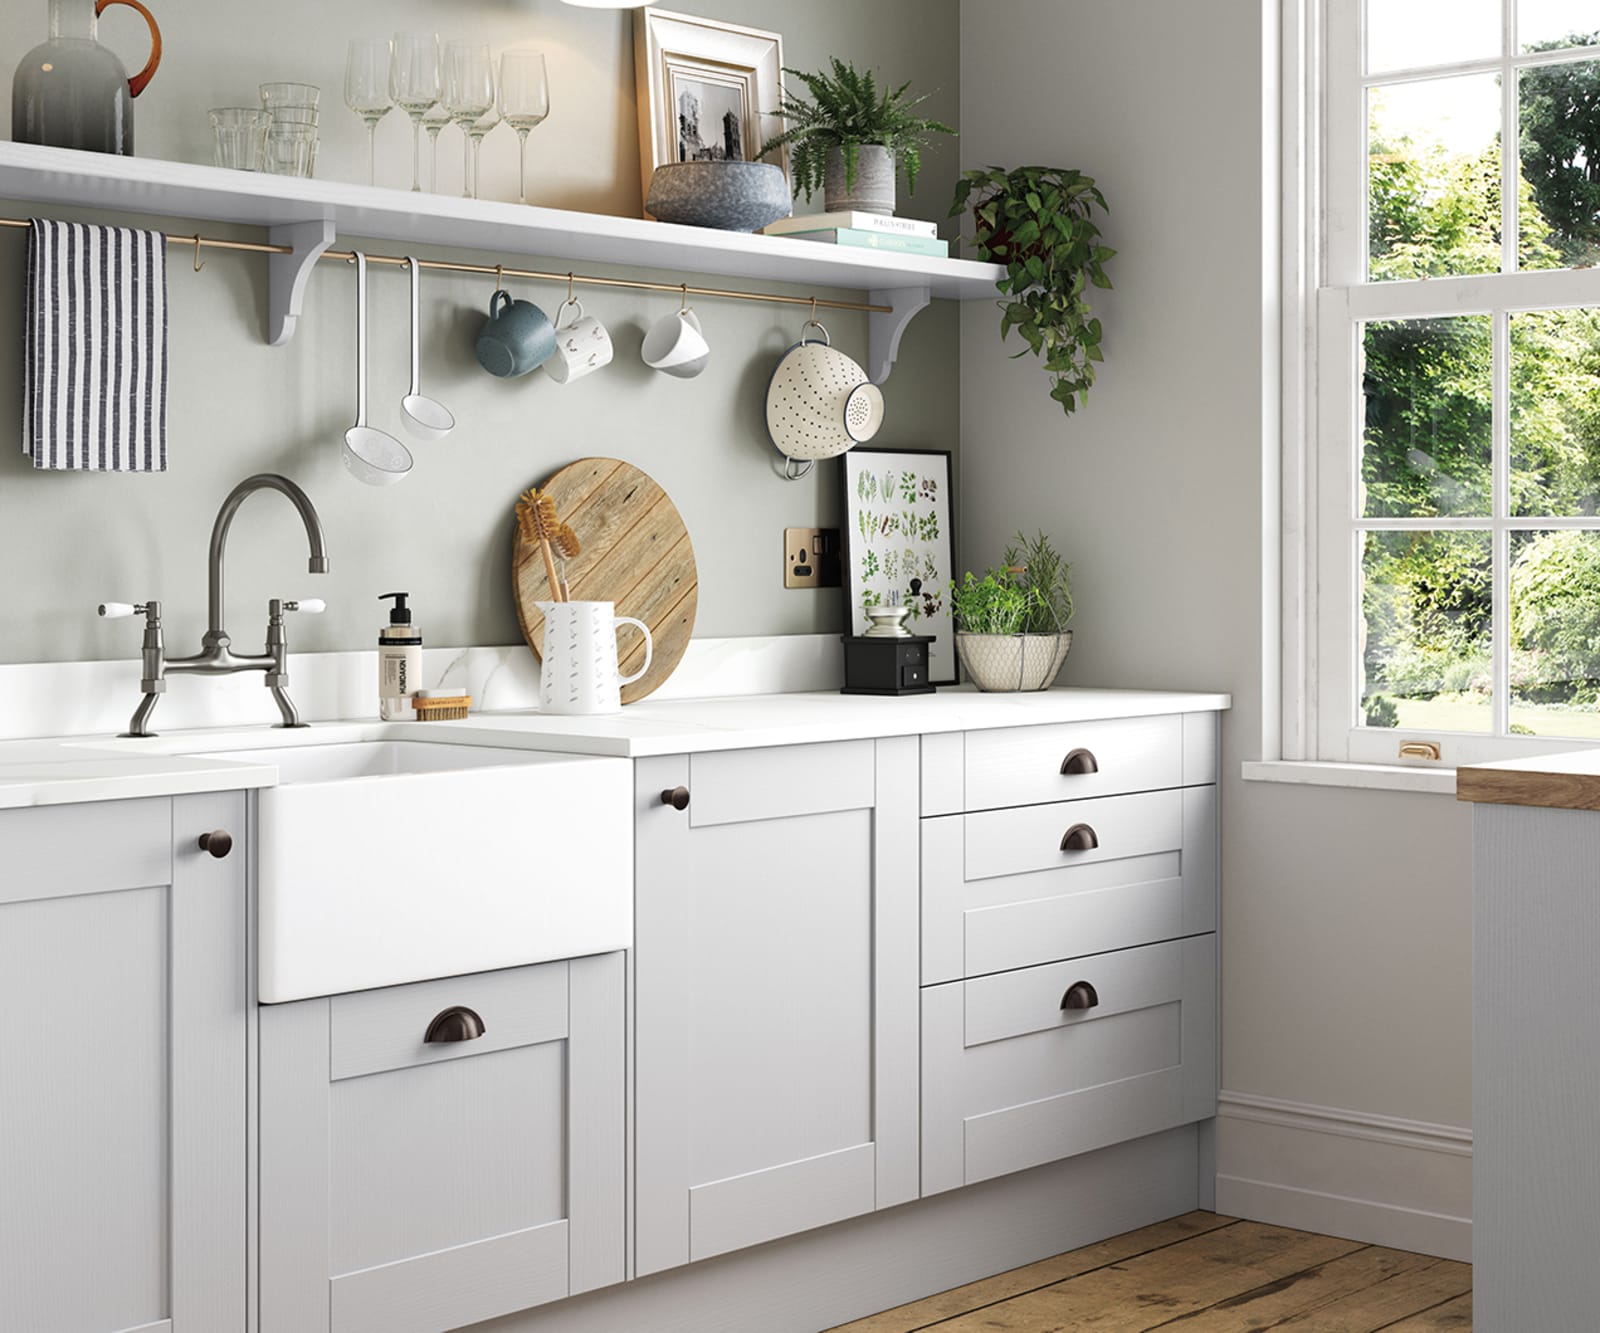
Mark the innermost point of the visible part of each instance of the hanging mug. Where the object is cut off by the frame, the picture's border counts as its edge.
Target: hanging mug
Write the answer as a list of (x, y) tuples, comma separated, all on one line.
[(582, 344), (579, 673)]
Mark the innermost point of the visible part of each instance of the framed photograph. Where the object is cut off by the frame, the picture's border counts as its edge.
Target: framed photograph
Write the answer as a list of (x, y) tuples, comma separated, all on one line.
[(706, 90), (896, 533)]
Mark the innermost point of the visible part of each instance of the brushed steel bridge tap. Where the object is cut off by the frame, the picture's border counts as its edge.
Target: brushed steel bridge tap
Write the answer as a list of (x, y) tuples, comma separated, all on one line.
[(216, 656)]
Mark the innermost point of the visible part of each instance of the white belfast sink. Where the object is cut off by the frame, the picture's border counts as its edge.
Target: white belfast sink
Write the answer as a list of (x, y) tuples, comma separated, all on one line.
[(381, 862)]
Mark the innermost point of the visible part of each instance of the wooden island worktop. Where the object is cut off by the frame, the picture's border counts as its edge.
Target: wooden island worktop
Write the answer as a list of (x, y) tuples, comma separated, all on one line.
[(1568, 781)]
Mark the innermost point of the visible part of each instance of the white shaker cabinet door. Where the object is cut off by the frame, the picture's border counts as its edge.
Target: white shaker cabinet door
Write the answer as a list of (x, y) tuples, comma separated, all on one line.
[(776, 993), (122, 1068)]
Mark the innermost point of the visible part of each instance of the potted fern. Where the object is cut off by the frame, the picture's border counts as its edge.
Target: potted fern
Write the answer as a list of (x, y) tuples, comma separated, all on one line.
[(1038, 222), (851, 137), (1012, 623)]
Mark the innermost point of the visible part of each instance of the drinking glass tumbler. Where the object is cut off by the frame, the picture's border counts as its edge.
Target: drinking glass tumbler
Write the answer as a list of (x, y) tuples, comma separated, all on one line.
[(290, 149), (237, 134), (290, 94)]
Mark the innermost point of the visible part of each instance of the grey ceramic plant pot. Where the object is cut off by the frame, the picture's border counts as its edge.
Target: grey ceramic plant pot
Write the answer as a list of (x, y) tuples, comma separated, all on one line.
[(731, 196), (874, 188)]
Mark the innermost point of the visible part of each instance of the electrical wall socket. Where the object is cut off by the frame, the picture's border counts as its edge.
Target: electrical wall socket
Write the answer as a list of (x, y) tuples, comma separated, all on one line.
[(811, 557)]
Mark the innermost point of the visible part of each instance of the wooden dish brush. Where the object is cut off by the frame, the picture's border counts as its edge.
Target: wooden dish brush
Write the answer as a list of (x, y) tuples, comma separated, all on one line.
[(539, 522)]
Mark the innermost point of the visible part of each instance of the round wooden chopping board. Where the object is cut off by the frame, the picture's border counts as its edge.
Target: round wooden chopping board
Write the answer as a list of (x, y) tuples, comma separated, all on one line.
[(635, 552)]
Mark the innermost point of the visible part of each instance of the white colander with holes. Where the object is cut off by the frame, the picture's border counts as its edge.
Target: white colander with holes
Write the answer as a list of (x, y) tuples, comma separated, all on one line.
[(820, 402)]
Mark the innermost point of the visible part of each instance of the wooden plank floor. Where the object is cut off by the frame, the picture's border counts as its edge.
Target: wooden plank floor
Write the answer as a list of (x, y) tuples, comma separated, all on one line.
[(1203, 1273)]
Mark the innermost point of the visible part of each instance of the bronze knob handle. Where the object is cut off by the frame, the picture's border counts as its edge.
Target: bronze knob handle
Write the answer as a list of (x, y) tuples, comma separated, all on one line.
[(1080, 995), (1079, 761), (676, 797), (1079, 838), (455, 1024), (218, 842)]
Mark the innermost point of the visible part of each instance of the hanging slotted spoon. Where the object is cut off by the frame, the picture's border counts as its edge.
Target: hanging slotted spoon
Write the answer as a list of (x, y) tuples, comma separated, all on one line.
[(425, 417)]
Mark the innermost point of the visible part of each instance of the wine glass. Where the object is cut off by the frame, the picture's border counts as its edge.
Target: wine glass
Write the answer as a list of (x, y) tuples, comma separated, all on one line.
[(468, 95), (366, 90), (480, 127), (434, 121), (524, 103), (414, 86)]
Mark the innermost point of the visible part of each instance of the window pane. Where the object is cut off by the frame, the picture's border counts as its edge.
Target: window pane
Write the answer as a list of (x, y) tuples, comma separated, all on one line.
[(1426, 614), (1543, 25), (1559, 200), (1433, 177), (1428, 433), (1555, 633), (1405, 34), (1555, 412)]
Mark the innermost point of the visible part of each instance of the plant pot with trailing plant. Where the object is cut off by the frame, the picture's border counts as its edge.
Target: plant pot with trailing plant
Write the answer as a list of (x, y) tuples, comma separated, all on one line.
[(851, 138), (1038, 222), (1011, 625)]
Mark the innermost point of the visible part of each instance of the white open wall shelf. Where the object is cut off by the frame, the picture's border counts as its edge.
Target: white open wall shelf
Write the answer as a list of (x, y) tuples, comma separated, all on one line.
[(308, 214)]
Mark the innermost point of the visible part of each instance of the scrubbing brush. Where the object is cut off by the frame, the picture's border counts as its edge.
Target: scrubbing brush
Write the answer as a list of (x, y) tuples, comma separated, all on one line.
[(539, 522)]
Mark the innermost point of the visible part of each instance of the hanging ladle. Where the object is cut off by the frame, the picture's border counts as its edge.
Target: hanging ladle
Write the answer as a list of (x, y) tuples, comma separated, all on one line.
[(370, 455), (427, 418)]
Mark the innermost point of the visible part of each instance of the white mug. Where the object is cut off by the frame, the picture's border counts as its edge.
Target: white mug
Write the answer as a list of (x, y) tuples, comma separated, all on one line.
[(579, 673), (676, 346), (582, 345)]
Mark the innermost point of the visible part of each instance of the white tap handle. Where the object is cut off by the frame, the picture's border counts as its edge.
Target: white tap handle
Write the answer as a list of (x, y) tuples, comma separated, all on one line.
[(311, 606), (117, 610)]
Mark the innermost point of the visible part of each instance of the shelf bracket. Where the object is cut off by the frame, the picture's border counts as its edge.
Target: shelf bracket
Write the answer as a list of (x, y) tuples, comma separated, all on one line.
[(287, 274), (884, 330)]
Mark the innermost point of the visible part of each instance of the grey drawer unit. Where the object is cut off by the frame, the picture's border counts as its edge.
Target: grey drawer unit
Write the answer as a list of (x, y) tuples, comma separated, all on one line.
[(1012, 1079), (410, 1186), (999, 891)]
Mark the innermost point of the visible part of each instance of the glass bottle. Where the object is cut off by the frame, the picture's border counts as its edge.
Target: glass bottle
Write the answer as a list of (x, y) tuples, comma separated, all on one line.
[(72, 92)]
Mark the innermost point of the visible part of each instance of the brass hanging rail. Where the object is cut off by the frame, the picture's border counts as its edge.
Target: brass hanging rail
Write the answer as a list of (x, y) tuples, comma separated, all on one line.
[(499, 270)]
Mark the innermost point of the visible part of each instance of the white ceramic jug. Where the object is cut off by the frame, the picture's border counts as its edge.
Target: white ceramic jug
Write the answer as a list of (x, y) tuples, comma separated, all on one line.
[(579, 673)]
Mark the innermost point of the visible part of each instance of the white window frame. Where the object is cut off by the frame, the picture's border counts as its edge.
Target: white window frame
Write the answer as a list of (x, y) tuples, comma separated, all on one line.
[(1326, 299)]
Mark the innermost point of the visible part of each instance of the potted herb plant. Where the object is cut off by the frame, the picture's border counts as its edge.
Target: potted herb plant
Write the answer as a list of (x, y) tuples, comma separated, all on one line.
[(1012, 623), (1038, 222), (848, 140)]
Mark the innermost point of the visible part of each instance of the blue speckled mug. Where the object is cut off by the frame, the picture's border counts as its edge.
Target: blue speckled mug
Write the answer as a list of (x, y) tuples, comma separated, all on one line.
[(517, 337)]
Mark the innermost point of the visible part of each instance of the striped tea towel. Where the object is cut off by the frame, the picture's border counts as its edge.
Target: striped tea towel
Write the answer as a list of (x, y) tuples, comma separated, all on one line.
[(94, 348)]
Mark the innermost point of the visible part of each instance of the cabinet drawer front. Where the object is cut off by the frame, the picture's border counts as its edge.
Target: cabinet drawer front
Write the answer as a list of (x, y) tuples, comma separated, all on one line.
[(56, 851), (1014, 1004), (1023, 765), (974, 926), (1030, 837), (1010, 1080), (384, 1029)]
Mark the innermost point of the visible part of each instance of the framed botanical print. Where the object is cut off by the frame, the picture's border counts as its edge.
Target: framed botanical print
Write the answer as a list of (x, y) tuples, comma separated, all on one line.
[(898, 544), (707, 90)]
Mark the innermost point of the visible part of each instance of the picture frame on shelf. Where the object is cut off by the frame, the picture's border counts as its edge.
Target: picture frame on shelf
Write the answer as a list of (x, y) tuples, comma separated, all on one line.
[(707, 90), (887, 543)]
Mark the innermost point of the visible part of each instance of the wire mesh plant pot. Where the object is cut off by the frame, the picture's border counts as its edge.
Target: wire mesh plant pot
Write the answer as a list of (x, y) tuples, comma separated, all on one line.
[(1000, 662)]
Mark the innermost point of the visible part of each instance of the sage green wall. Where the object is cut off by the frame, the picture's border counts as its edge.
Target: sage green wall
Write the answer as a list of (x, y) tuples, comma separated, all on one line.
[(239, 406)]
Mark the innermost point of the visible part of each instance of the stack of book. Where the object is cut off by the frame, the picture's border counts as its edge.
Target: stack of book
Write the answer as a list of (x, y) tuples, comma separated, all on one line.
[(869, 231)]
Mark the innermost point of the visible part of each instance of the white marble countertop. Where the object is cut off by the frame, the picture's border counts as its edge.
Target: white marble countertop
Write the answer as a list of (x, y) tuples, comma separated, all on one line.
[(94, 768)]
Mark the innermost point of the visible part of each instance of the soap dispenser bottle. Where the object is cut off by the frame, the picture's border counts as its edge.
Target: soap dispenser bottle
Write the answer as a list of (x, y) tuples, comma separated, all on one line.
[(399, 661)]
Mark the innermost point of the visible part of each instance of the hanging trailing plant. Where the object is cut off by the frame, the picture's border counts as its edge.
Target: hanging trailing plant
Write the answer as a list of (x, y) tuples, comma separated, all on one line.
[(1037, 221)]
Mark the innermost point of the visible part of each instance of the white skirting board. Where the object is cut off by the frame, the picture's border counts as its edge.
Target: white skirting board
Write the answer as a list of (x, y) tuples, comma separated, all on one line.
[(843, 1272), (1399, 1183)]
